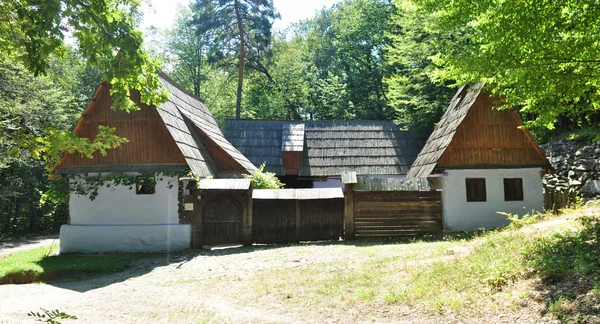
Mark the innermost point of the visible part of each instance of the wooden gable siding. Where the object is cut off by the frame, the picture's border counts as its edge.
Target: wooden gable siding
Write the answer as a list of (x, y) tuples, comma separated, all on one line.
[(220, 159), (149, 139), (491, 137)]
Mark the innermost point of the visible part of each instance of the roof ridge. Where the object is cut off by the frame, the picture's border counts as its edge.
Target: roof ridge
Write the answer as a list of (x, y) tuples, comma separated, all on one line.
[(178, 86)]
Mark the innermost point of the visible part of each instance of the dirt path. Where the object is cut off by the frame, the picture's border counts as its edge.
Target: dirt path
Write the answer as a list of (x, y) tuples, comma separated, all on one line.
[(229, 286), (10, 247)]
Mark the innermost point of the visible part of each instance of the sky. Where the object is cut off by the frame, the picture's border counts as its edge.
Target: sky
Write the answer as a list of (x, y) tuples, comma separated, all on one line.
[(161, 13)]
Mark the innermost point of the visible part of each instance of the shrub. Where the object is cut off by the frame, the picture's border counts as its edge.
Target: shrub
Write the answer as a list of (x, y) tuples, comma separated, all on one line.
[(264, 180)]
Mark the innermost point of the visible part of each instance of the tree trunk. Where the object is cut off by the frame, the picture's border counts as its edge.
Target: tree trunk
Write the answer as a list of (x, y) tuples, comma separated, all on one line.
[(238, 102), (33, 218), (6, 213)]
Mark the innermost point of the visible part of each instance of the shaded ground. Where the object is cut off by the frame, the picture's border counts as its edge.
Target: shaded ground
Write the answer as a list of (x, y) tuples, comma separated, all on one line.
[(13, 246), (233, 286)]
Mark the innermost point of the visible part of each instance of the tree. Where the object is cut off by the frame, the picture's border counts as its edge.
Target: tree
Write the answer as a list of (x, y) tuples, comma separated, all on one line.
[(185, 52), (345, 44), (286, 95), (32, 32), (418, 98), (540, 55), (35, 109), (239, 29)]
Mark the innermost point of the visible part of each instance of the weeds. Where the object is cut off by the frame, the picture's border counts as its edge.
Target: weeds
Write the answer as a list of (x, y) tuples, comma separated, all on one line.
[(51, 317)]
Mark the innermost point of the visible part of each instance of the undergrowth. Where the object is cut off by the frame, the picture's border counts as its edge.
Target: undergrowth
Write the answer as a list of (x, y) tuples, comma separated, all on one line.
[(465, 276), (569, 264)]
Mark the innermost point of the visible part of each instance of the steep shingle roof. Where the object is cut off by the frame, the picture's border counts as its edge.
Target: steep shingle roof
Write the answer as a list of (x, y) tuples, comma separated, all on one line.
[(366, 147), (183, 106), (444, 131), (472, 134)]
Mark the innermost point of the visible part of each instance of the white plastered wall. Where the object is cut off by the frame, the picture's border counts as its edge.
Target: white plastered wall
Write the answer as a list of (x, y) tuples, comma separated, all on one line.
[(460, 215), (120, 220)]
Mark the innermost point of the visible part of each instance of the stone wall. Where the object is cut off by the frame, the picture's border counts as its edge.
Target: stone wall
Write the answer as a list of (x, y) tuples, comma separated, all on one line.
[(577, 168)]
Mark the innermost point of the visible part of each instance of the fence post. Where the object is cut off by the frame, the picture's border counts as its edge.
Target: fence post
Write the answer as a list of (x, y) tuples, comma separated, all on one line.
[(349, 211), (247, 224), (349, 180), (298, 221)]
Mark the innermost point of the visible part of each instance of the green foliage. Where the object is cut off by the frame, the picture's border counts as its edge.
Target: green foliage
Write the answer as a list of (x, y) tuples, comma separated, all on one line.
[(240, 33), (567, 255), (264, 180), (286, 94), (418, 98), (36, 116), (570, 264), (345, 52), (89, 184), (32, 31), (51, 317), (540, 55), (517, 221), (42, 264)]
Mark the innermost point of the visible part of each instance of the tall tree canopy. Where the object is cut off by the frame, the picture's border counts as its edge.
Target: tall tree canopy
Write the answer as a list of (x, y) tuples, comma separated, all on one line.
[(345, 48), (32, 33), (418, 98), (542, 55), (239, 32)]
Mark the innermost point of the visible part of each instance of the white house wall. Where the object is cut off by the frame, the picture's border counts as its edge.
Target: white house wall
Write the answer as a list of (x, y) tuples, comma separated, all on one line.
[(328, 183), (461, 215), (120, 220)]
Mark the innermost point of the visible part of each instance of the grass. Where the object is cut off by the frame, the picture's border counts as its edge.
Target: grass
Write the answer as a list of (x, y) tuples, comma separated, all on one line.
[(462, 276), (42, 265)]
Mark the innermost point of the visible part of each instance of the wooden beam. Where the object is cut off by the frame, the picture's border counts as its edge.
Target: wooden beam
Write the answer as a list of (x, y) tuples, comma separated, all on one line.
[(247, 227), (349, 211), (298, 221)]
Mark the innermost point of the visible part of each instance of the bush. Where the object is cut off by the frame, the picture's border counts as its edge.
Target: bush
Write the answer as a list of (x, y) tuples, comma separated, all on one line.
[(264, 180)]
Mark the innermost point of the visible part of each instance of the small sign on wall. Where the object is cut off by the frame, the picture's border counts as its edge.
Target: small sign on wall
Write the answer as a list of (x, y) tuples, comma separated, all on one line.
[(188, 206)]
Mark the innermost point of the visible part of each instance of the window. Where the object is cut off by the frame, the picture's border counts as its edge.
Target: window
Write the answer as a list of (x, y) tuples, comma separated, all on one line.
[(513, 189), (476, 189), (144, 189)]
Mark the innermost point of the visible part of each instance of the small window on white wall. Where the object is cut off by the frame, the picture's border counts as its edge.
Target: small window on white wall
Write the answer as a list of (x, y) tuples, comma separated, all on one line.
[(145, 189), (513, 189), (476, 189)]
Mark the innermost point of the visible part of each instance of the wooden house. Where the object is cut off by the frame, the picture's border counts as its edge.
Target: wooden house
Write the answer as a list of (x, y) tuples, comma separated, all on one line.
[(483, 161), (313, 154), (181, 135)]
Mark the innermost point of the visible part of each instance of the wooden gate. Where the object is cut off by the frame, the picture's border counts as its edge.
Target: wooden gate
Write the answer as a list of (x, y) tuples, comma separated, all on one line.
[(222, 221), (397, 213), (294, 215)]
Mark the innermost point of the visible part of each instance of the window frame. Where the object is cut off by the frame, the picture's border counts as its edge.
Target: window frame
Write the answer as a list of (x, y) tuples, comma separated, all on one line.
[(513, 186), (476, 186), (143, 189)]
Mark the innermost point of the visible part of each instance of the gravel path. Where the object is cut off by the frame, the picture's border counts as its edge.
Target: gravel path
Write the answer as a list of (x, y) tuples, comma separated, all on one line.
[(221, 286), (11, 247)]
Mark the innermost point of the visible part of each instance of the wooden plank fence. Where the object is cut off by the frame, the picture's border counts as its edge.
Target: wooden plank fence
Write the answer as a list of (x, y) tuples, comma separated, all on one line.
[(300, 215), (555, 200), (397, 213)]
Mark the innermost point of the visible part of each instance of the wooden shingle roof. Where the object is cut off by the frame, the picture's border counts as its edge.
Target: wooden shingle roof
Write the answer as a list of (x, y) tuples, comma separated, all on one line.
[(182, 107), (472, 134), (444, 131), (330, 147), (178, 135)]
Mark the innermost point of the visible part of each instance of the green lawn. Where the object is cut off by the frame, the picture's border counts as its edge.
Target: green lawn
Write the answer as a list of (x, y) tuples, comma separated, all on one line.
[(42, 264)]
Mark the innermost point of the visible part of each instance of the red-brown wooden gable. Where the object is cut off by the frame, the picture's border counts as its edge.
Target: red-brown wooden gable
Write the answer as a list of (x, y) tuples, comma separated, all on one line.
[(149, 140), (292, 162), (491, 137)]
